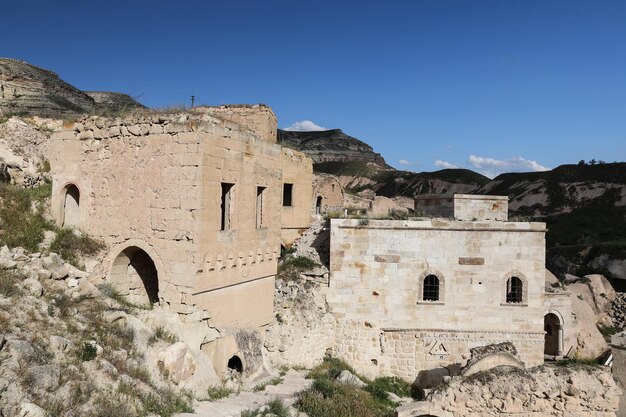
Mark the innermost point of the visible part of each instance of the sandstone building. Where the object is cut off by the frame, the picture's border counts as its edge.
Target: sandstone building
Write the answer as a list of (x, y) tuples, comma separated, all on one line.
[(194, 208), (412, 297)]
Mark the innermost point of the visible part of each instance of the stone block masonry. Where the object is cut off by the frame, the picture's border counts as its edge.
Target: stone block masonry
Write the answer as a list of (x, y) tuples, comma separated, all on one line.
[(412, 297), (190, 205)]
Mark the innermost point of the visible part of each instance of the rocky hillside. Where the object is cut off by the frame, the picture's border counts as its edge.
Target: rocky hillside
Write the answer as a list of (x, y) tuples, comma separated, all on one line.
[(27, 89), (585, 209), (330, 146)]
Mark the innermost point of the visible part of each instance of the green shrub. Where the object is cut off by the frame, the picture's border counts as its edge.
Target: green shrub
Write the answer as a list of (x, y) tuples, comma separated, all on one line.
[(299, 262), (167, 402), (393, 384), (8, 281), (108, 290), (160, 333), (275, 407), (340, 400), (608, 331), (217, 392), (329, 368), (274, 381), (87, 352), (19, 224), (69, 246)]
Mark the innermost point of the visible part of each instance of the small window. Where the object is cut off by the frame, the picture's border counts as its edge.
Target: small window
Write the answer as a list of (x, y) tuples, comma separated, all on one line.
[(431, 288), (260, 191), (514, 290), (227, 200), (287, 195)]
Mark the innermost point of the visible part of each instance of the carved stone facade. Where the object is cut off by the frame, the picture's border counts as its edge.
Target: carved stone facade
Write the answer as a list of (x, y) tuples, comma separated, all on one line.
[(192, 207), (412, 297)]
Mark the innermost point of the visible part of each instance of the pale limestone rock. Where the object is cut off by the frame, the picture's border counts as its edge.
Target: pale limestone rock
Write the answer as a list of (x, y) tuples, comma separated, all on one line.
[(33, 286), (30, 410), (179, 362), (348, 378)]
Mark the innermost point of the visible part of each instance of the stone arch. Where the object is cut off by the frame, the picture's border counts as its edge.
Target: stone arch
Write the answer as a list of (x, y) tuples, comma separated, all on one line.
[(511, 294), (70, 211), (425, 278), (135, 274), (553, 326)]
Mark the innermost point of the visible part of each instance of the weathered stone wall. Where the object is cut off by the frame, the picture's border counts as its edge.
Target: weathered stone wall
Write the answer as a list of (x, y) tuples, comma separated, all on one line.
[(481, 207), (377, 273), (331, 192), (434, 205), (258, 118), (297, 170), (155, 183), (463, 206)]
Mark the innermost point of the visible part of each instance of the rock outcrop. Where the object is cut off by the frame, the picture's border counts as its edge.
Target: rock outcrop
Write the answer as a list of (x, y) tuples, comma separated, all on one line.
[(330, 146), (27, 89), (547, 390)]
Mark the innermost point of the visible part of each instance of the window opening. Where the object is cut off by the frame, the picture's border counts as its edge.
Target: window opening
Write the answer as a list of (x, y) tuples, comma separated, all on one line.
[(287, 195), (227, 197), (260, 191), (431, 288), (514, 290)]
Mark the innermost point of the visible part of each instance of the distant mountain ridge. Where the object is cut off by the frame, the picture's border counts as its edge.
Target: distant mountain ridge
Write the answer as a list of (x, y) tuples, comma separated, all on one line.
[(30, 90)]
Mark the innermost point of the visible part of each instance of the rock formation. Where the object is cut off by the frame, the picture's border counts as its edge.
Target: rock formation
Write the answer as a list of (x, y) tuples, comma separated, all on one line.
[(547, 390), (330, 146), (27, 89)]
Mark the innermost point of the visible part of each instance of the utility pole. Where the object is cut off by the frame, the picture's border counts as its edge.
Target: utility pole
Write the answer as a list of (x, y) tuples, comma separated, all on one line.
[(193, 99)]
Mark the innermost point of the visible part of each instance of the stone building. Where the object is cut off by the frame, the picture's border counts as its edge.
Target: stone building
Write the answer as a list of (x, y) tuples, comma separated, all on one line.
[(193, 207), (328, 194), (412, 297)]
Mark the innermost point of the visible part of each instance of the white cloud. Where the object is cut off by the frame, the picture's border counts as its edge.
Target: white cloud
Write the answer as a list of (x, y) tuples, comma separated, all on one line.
[(404, 162), (493, 167), (445, 164), (304, 126)]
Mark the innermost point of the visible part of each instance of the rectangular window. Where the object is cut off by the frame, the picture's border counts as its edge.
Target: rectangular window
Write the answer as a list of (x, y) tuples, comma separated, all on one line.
[(287, 195), (227, 200), (260, 191)]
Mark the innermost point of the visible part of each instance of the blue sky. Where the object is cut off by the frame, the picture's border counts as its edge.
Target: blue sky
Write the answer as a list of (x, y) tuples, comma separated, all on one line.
[(492, 86)]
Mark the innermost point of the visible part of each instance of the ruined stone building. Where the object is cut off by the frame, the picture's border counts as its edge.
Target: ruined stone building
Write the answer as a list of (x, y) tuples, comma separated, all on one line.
[(194, 208), (412, 297)]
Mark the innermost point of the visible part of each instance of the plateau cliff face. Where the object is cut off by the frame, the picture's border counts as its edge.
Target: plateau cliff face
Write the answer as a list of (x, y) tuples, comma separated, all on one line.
[(27, 89), (330, 146)]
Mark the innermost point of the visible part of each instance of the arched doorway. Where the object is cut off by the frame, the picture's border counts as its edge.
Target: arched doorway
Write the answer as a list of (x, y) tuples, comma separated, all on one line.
[(554, 335), (71, 206), (318, 205), (135, 276)]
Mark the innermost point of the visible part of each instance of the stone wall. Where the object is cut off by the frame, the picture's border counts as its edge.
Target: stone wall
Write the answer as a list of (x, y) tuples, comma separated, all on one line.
[(463, 206), (328, 191), (377, 276), (297, 170), (258, 118), (199, 197)]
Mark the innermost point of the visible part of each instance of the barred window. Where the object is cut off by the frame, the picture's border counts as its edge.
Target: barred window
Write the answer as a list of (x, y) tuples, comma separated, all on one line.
[(514, 290), (431, 288)]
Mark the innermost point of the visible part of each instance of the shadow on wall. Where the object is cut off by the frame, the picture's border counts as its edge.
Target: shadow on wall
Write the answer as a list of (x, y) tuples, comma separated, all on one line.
[(134, 274), (321, 244), (432, 378)]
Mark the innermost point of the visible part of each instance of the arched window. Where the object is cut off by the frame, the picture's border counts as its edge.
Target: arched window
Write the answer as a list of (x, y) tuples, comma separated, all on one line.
[(514, 290), (430, 290)]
